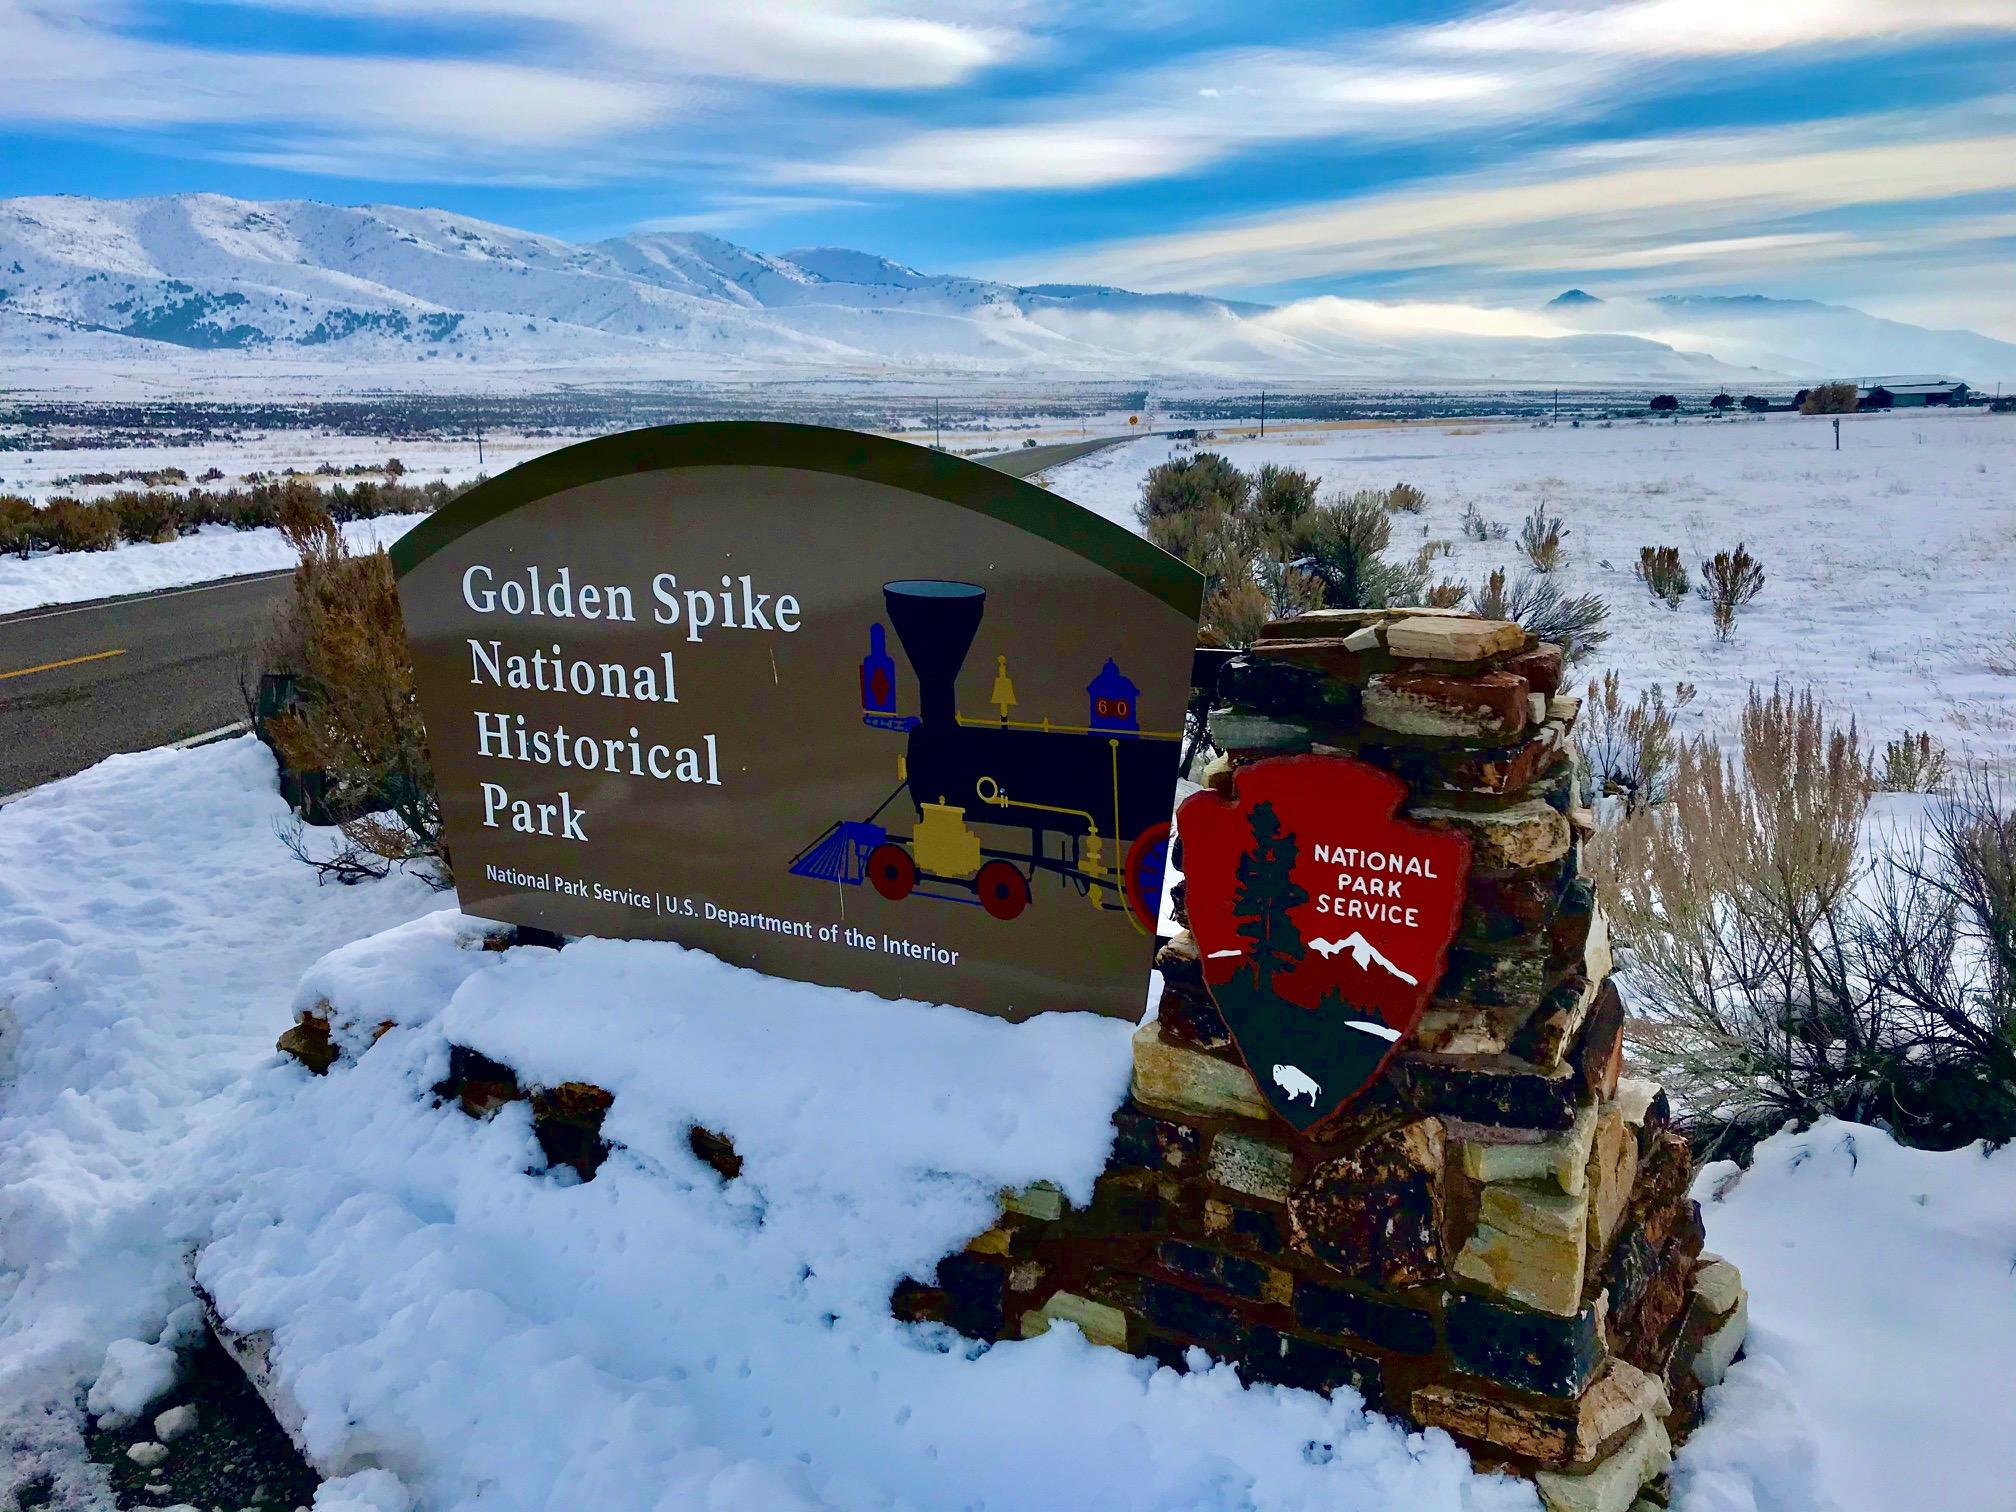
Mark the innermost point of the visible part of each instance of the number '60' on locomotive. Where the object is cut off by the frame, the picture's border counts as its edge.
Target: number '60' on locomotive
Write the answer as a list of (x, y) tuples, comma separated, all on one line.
[(1000, 803)]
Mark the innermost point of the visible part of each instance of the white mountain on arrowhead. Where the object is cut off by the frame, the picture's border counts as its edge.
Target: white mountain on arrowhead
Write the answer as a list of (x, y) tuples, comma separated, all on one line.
[(1364, 952)]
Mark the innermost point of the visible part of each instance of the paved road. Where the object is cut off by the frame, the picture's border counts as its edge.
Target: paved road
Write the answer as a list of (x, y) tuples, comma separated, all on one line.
[(80, 682)]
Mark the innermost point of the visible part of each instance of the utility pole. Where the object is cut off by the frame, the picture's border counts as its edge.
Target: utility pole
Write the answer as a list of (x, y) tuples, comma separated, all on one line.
[(479, 445), (937, 429), (1557, 406), (1263, 412)]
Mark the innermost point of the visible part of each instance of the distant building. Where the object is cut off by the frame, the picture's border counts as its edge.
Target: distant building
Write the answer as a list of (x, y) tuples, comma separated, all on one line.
[(1909, 392)]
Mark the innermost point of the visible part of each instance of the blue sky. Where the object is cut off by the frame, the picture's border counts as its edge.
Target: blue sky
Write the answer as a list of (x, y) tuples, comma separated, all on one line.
[(1854, 150)]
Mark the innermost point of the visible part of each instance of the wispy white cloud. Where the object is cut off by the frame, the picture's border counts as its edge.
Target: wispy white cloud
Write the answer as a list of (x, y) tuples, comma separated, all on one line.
[(1196, 112), (1730, 200), (1653, 29), (68, 66), (558, 91), (731, 212), (1510, 63), (852, 44)]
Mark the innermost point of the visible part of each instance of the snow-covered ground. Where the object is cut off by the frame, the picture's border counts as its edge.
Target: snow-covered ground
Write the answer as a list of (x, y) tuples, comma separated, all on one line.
[(1888, 564), (511, 1340), (449, 1314), (213, 552), (219, 552), (1882, 1321)]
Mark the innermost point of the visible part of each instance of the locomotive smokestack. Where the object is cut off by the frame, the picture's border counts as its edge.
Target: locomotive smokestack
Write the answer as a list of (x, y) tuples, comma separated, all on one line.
[(936, 622)]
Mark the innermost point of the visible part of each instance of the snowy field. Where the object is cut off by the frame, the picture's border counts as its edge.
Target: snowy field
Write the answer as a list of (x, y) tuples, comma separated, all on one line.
[(654, 1339), (219, 552), (1888, 564), (463, 1330), (213, 552)]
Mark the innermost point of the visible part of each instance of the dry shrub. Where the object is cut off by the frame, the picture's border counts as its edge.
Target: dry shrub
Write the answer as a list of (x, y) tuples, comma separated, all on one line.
[(17, 525), (1282, 495), (1342, 544), (1914, 764), (1729, 580), (1538, 604), (1206, 481), (68, 525), (1629, 749), (1541, 537), (148, 516), (1477, 528), (1661, 571), (356, 719), (1446, 594), (1829, 399), (1404, 498), (1779, 974)]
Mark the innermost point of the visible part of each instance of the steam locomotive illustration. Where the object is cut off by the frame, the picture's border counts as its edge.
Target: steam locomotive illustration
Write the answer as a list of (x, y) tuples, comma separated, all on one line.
[(998, 804)]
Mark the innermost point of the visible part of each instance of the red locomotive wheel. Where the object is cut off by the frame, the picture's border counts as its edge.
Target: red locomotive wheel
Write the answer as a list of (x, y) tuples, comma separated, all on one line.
[(1141, 876), (892, 871), (1004, 891)]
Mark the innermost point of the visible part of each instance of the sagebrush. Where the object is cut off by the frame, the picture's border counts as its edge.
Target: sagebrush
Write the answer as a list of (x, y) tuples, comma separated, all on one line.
[(356, 719), (1729, 580), (1269, 546), (1663, 574), (1541, 538), (1575, 624), (1780, 970)]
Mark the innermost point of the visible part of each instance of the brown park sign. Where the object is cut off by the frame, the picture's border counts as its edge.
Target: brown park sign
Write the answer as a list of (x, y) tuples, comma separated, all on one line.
[(834, 707)]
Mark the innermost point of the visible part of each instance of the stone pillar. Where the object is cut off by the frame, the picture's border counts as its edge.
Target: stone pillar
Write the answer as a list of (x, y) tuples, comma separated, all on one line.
[(1496, 1238)]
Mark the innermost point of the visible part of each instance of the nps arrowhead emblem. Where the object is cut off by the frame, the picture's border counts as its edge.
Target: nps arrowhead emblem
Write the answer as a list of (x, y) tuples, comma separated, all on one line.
[(1323, 921)]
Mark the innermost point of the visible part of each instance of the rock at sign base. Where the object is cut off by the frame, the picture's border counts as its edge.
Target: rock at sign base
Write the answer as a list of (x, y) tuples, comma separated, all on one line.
[(1613, 1485), (1183, 1081)]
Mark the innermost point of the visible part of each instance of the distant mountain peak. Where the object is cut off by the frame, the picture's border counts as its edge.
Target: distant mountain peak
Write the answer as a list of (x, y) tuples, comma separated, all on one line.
[(402, 292)]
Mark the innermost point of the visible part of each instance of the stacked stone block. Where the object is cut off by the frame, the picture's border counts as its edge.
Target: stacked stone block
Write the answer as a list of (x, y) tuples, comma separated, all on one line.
[(1496, 1239)]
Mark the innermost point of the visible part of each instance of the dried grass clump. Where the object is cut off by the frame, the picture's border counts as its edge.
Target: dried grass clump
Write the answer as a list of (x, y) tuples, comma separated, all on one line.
[(1405, 498), (1446, 594), (1477, 528), (1729, 580), (356, 720), (1661, 571), (1541, 537), (1914, 764)]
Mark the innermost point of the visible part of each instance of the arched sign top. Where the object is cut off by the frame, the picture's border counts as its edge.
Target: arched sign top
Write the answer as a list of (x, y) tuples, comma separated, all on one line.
[(817, 449)]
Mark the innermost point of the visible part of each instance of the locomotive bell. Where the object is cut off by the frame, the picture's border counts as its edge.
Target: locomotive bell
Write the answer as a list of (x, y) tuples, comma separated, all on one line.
[(1004, 688), (936, 621)]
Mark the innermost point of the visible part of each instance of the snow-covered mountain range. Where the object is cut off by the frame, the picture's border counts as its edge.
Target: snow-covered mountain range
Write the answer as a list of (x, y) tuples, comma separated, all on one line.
[(203, 287), (1364, 953)]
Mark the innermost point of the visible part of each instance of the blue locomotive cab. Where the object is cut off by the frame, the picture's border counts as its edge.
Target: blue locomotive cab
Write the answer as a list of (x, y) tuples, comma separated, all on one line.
[(1114, 700)]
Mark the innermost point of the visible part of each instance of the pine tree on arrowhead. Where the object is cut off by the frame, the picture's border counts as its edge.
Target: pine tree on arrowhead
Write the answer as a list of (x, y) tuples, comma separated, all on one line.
[(1267, 891)]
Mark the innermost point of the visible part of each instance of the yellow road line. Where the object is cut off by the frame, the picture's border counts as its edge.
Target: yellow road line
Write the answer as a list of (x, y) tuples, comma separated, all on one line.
[(70, 662)]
